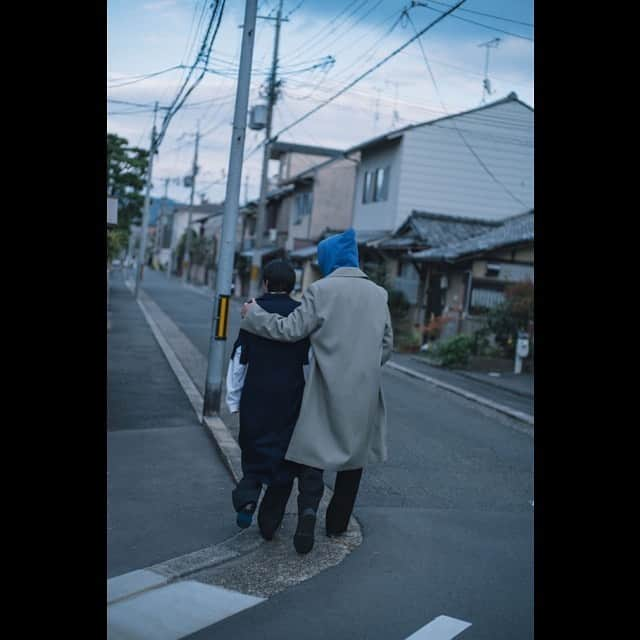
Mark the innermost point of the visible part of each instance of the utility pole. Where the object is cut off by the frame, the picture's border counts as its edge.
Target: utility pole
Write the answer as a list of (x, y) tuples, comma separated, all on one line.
[(264, 182), (486, 85), (161, 224), (147, 198), (224, 273), (187, 253)]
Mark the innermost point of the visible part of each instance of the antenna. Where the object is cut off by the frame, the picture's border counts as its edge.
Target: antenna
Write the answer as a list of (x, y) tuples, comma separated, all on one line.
[(376, 117), (395, 116), (486, 84)]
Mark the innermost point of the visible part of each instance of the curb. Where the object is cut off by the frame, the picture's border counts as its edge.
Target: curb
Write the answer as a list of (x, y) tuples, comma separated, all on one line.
[(512, 413), (227, 445), (522, 394)]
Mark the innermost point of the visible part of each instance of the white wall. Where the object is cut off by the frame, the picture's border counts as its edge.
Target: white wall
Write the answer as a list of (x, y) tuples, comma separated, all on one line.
[(439, 173), (372, 216)]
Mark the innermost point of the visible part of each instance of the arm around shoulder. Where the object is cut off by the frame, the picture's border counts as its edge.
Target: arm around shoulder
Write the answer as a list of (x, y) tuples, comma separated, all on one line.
[(299, 324)]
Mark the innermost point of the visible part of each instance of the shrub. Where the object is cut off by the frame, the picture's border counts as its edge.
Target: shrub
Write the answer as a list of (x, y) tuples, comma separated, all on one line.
[(512, 315), (398, 304), (407, 339), (455, 351), (434, 327)]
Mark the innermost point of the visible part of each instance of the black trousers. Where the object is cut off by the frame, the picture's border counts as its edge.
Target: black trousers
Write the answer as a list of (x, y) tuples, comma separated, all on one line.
[(310, 488), (344, 497)]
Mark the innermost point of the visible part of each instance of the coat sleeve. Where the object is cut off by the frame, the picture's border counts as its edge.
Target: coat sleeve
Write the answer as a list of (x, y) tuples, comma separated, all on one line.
[(236, 374), (299, 324), (387, 339)]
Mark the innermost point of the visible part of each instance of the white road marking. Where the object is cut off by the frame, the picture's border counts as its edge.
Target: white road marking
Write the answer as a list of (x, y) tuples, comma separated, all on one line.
[(440, 628), (518, 415), (127, 584), (174, 611)]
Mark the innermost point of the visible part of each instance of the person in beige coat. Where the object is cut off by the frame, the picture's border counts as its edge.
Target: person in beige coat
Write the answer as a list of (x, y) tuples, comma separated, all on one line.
[(342, 421)]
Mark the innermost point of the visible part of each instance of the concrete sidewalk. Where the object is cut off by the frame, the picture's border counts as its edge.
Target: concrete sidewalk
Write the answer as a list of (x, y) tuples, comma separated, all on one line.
[(168, 491), (510, 396), (520, 384)]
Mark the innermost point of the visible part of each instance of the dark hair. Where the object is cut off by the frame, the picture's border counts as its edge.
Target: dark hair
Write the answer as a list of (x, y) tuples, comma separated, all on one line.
[(279, 275)]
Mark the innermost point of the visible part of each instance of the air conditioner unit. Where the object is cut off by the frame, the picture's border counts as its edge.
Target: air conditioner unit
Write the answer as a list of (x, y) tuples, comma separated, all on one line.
[(273, 234)]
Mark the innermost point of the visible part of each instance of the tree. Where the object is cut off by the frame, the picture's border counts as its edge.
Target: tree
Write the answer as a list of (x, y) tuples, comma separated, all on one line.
[(513, 315), (116, 242), (126, 178)]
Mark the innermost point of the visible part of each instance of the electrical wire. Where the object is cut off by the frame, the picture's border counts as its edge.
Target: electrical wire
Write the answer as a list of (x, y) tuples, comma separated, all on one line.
[(204, 53), (455, 125), (487, 15), (144, 77), (309, 42), (295, 8), (479, 24), (368, 71)]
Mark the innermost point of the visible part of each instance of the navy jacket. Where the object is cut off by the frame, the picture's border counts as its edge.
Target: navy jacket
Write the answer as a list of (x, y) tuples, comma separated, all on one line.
[(271, 395)]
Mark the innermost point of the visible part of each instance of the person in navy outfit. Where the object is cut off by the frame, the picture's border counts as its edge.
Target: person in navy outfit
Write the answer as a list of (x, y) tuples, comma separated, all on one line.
[(265, 383)]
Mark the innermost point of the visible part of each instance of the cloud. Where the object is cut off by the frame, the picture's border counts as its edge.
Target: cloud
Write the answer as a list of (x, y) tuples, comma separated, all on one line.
[(456, 61), (159, 4)]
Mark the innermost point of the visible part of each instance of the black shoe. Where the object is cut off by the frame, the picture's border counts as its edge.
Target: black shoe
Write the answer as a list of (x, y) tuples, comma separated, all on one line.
[(245, 515), (303, 538), (272, 510), (332, 533)]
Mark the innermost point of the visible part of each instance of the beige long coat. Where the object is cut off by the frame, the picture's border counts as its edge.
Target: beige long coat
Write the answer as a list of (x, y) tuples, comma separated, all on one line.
[(342, 422)]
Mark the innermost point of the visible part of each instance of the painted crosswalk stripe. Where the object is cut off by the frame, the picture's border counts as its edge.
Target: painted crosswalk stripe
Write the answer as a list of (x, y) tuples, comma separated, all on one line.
[(440, 628), (174, 611)]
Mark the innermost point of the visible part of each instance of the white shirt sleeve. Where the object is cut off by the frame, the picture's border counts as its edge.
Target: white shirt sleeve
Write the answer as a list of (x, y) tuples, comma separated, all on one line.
[(305, 367), (236, 374)]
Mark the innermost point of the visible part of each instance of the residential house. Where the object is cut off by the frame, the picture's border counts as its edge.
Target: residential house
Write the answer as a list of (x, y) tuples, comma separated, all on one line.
[(290, 203), (421, 230), (179, 221), (474, 164), (466, 278), (319, 205)]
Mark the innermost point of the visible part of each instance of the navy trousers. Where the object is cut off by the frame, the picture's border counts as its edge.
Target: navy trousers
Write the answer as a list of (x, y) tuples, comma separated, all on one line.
[(310, 487)]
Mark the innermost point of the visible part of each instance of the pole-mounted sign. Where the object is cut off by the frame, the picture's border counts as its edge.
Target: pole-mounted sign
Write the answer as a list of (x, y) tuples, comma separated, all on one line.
[(222, 318)]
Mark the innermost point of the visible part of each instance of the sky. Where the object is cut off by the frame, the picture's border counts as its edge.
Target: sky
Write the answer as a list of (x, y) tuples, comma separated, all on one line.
[(149, 36)]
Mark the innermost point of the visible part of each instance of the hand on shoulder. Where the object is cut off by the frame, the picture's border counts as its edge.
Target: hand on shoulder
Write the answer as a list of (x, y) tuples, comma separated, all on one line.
[(246, 306)]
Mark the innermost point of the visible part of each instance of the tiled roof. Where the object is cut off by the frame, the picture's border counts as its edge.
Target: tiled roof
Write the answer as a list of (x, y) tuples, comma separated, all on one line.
[(365, 237), (305, 252), (436, 230), (513, 230)]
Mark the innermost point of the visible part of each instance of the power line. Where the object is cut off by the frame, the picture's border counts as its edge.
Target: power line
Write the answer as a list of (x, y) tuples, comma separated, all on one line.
[(452, 121), (204, 53), (326, 28), (145, 77), (479, 24), (487, 15), (295, 9), (369, 71)]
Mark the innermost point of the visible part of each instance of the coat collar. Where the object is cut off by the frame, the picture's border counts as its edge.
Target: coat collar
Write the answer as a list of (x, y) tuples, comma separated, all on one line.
[(348, 272)]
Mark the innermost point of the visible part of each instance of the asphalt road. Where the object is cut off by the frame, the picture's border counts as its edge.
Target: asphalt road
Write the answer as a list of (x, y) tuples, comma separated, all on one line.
[(447, 521)]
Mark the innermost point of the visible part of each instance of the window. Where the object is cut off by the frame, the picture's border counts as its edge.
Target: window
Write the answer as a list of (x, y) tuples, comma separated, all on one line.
[(376, 185), (367, 193), (381, 185), (303, 204)]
